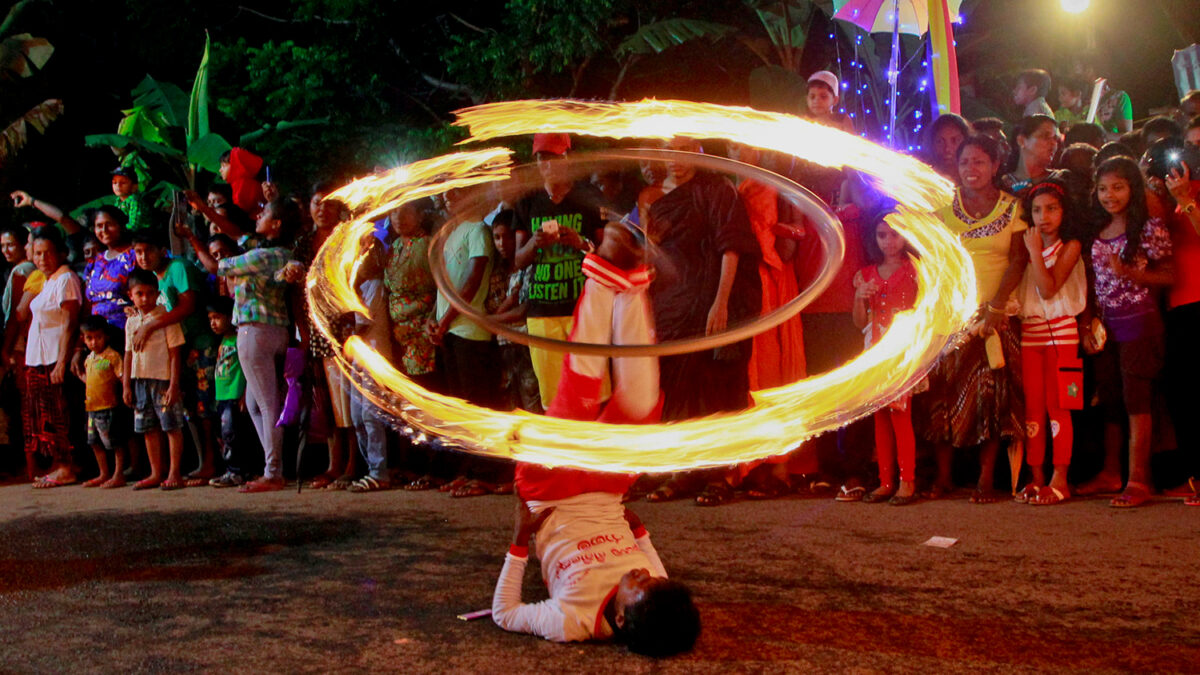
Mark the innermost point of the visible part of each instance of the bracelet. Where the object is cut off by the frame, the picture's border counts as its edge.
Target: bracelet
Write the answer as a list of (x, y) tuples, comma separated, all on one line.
[(993, 310)]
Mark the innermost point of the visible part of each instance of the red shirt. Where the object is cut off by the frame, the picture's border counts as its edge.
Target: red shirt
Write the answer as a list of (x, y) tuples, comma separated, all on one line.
[(1186, 242), (839, 297)]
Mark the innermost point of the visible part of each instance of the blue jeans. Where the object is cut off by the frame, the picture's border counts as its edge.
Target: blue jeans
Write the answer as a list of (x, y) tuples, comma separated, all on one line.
[(369, 430)]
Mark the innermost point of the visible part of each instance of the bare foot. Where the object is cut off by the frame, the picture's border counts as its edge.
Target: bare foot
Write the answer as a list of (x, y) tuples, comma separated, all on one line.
[(116, 481), (1102, 484)]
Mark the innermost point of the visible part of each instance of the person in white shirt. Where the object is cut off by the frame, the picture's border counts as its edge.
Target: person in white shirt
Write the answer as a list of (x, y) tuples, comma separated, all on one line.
[(604, 577)]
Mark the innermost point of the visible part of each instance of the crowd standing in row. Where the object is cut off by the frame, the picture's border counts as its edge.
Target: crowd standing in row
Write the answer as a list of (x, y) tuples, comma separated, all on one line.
[(1077, 246)]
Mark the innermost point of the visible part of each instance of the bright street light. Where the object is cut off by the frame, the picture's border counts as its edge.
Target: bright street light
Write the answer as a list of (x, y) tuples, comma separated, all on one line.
[(1074, 6)]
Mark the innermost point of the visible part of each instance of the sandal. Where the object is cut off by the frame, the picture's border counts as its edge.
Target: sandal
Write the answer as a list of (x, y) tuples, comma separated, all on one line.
[(320, 482), (770, 487), (1185, 490), (854, 494), (986, 496), (897, 500), (715, 494), (172, 484), (1028, 494), (454, 484), (473, 488), (667, 492), (368, 484), (1135, 495), (1049, 496), (423, 483), (883, 494), (195, 482)]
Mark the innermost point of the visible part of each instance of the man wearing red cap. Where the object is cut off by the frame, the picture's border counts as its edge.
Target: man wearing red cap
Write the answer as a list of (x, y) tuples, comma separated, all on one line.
[(556, 226)]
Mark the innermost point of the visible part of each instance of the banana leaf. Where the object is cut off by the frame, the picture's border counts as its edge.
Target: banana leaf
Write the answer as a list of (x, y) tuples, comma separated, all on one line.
[(119, 142), (197, 118), (143, 123), (162, 97), (16, 135), (206, 151), (659, 36), (22, 54)]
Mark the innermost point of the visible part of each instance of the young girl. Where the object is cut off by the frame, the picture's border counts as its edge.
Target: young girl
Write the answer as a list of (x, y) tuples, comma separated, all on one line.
[(881, 290), (1131, 256), (1052, 294)]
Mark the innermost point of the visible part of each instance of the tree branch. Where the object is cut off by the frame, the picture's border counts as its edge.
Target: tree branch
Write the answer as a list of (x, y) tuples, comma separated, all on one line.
[(466, 23), (268, 17), (460, 89)]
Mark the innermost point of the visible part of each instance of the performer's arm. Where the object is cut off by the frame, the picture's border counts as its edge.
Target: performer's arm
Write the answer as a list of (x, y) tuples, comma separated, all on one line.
[(543, 618), (642, 538)]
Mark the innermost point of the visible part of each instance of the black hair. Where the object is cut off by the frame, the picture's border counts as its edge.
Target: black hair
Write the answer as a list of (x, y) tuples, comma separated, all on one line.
[(220, 304), (870, 244), (112, 212), (1161, 126), (240, 219), (1136, 214), (989, 146), (1028, 126), (988, 124), (223, 189), (1071, 228), (287, 212), (1037, 78), (1113, 149), (324, 187), (94, 323), (949, 120), (665, 622), (224, 159), (226, 240), (1134, 141), (151, 237), (143, 277), (504, 218), (18, 232), (51, 234), (1193, 123), (1072, 83), (1085, 132), (1078, 150)]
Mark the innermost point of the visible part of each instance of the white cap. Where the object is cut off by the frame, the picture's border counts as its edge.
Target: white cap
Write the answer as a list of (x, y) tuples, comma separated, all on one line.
[(827, 78)]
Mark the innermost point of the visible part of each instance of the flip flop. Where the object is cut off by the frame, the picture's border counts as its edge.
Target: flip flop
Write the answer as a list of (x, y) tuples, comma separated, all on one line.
[(368, 484), (1135, 495), (876, 497), (172, 484), (1194, 500), (195, 482), (46, 483), (904, 501), (1049, 496), (854, 494)]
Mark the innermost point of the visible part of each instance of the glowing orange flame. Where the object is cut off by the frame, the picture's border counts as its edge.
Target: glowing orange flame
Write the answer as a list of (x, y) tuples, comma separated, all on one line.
[(781, 417)]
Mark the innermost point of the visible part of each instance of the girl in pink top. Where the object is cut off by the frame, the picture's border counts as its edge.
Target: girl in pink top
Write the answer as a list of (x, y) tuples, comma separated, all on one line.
[(881, 291)]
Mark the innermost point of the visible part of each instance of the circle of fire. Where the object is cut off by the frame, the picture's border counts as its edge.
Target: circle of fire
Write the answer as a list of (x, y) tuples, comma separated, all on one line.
[(780, 418)]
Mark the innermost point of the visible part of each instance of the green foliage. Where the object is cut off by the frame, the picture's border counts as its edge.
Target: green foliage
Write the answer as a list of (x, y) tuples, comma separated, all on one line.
[(535, 38), (659, 36)]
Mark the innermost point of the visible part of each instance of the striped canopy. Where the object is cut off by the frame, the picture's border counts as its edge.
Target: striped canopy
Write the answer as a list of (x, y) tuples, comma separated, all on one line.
[(875, 16)]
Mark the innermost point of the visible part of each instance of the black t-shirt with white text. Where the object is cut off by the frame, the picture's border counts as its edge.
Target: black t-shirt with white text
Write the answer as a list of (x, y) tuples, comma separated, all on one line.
[(557, 278)]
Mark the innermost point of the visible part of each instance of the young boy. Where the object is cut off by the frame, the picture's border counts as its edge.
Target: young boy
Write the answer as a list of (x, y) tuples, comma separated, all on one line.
[(823, 99), (181, 292), (102, 373), (230, 393), (604, 577), (151, 381), (125, 187), (1030, 93)]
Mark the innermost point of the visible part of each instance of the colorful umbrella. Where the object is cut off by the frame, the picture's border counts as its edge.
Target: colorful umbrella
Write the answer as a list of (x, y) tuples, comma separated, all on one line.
[(911, 17)]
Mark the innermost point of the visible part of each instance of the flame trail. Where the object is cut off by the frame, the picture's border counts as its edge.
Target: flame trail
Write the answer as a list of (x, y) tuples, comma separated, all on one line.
[(780, 418)]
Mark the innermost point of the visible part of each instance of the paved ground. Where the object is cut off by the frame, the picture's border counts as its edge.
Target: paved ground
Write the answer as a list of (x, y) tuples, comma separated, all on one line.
[(206, 580)]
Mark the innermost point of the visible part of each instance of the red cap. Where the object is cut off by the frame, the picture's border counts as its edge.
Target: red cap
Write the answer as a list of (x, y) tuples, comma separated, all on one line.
[(555, 144)]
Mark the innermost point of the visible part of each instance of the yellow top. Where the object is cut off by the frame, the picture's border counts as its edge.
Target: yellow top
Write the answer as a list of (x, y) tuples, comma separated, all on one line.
[(987, 239)]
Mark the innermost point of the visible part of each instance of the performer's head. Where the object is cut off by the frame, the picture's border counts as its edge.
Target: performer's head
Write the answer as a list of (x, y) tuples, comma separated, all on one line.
[(655, 616), (681, 169)]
